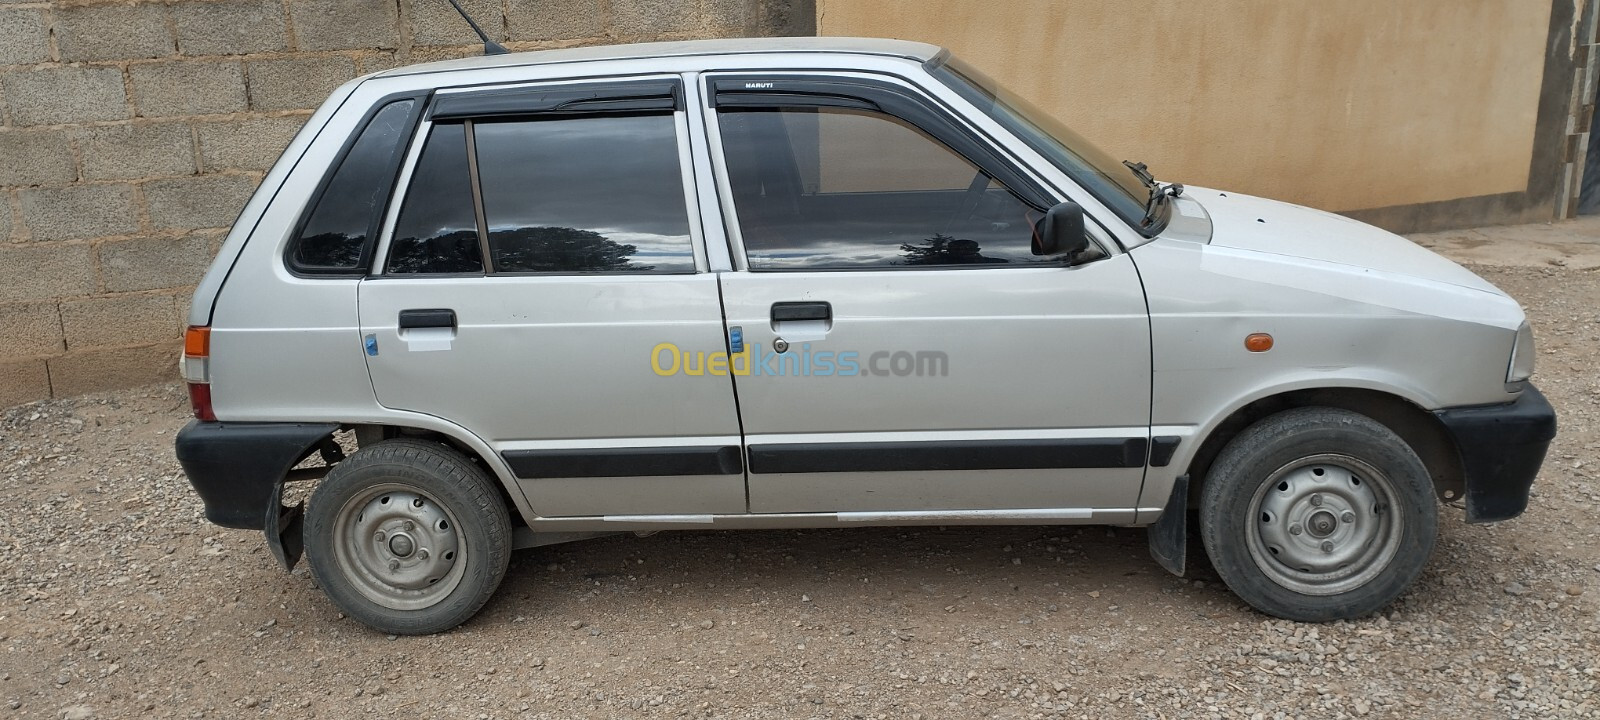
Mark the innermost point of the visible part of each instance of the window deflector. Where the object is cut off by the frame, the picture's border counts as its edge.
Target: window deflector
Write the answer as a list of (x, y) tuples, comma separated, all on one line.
[(592, 97)]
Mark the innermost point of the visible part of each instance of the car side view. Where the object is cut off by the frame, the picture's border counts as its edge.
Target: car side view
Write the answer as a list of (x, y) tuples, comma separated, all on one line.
[(523, 299)]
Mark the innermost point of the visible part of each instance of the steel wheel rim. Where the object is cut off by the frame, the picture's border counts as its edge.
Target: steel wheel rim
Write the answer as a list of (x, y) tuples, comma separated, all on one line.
[(400, 547), (1323, 525)]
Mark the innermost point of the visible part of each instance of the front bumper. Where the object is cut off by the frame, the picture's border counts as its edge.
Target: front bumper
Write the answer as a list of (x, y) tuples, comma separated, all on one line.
[(1501, 448)]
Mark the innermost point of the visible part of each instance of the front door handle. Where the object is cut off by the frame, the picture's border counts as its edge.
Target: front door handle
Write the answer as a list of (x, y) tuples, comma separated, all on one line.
[(792, 311), (427, 318)]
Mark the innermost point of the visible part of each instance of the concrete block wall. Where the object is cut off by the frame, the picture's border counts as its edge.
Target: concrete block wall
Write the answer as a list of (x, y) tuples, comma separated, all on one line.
[(131, 133)]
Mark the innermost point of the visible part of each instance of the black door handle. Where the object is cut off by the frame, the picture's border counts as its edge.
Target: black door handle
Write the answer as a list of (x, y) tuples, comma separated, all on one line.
[(801, 311), (429, 318)]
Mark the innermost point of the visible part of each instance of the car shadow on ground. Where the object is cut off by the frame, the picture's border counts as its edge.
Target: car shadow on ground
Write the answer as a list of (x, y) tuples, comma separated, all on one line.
[(995, 569)]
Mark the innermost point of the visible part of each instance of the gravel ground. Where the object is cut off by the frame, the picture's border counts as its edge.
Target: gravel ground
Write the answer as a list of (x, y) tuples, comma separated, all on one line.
[(118, 600)]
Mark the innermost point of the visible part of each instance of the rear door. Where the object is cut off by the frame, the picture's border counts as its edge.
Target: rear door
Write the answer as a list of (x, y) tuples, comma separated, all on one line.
[(544, 247), (908, 354)]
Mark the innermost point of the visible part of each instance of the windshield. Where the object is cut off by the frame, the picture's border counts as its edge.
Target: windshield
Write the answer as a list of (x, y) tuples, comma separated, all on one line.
[(1105, 178)]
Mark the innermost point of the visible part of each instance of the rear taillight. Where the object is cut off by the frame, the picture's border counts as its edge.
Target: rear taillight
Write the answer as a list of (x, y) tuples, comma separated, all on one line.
[(200, 400), (197, 371)]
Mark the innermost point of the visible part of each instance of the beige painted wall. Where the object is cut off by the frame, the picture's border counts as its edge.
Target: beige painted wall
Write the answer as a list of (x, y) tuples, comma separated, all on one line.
[(1342, 105)]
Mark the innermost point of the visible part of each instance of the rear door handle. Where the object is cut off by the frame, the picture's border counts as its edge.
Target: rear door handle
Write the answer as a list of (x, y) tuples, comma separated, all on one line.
[(427, 318), (800, 322), (791, 311)]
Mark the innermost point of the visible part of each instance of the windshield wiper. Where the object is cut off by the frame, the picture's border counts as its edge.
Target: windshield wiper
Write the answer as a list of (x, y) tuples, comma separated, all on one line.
[(1158, 192), (1141, 171)]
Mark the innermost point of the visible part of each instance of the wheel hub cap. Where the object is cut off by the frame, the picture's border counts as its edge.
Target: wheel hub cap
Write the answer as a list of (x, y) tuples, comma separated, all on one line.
[(401, 547), (1323, 523), (1320, 525)]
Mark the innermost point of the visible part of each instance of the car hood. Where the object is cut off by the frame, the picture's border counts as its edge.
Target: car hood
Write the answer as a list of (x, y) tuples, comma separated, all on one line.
[(1268, 226)]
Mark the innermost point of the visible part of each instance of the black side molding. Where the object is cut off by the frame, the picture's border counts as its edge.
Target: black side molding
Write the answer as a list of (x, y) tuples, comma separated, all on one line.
[(1161, 449), (955, 455), (624, 462)]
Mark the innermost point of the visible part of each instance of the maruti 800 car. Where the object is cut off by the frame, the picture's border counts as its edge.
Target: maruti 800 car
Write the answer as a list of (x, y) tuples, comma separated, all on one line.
[(817, 283)]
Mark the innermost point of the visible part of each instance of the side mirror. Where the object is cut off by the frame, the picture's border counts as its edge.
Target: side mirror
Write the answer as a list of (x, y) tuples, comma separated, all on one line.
[(1061, 231)]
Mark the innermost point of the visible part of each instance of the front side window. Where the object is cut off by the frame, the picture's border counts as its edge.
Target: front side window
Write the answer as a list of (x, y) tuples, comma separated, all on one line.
[(835, 188), (546, 194), (334, 238)]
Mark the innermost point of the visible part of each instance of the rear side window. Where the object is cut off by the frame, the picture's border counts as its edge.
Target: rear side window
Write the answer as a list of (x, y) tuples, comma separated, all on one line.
[(336, 236), (584, 180), (601, 193)]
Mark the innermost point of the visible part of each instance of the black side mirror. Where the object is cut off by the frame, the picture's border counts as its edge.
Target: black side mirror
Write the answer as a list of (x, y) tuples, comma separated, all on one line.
[(1061, 231)]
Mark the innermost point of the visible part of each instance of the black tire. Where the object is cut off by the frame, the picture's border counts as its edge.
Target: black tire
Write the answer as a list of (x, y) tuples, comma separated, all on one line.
[(1290, 487), (390, 507)]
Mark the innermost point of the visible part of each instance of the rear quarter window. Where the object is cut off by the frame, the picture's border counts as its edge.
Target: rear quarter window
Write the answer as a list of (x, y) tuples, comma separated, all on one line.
[(335, 237)]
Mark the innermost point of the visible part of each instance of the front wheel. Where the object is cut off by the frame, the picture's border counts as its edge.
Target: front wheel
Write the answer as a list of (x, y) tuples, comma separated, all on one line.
[(408, 537), (1318, 514)]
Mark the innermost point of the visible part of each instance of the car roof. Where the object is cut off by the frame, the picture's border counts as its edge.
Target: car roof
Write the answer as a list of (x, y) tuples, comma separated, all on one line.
[(920, 52)]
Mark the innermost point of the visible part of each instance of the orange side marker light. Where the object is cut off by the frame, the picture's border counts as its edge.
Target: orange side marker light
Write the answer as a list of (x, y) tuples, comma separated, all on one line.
[(1258, 342)]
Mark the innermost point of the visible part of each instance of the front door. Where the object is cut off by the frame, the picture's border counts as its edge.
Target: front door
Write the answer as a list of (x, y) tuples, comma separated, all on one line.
[(907, 353), (544, 247)]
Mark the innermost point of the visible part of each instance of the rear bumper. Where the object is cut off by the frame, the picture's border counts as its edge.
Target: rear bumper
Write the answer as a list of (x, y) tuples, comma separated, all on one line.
[(1501, 447), (237, 469)]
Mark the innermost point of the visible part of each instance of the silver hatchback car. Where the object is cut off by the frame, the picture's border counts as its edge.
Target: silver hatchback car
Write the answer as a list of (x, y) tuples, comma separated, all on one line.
[(819, 283)]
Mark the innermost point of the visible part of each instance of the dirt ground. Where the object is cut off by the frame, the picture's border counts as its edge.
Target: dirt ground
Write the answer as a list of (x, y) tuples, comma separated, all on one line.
[(117, 600)]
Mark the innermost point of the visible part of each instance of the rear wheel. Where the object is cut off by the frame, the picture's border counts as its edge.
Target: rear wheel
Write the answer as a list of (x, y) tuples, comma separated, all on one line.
[(1318, 514), (408, 536)]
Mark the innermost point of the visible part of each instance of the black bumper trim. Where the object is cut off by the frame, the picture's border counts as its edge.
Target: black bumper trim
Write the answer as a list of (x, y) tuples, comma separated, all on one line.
[(237, 469), (1501, 447)]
